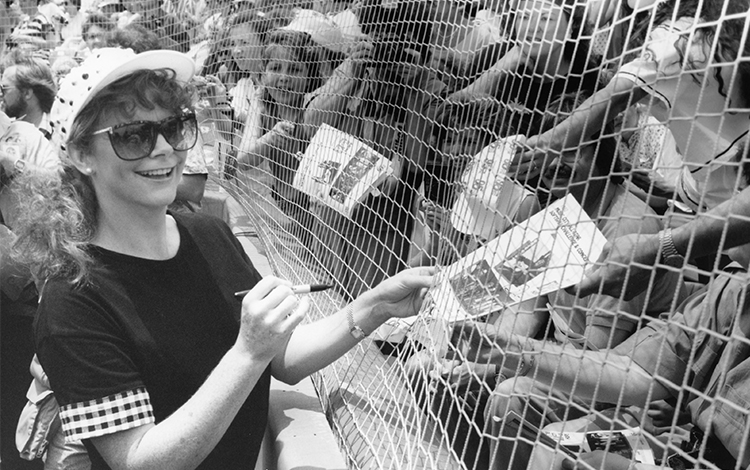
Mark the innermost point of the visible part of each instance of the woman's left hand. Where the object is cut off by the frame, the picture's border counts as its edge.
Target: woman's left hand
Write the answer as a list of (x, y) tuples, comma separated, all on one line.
[(402, 295)]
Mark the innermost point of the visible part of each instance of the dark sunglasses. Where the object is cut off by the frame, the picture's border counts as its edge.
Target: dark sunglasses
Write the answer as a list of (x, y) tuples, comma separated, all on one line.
[(136, 140)]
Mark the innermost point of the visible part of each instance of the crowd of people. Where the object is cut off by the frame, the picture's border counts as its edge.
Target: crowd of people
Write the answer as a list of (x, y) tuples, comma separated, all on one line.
[(121, 293)]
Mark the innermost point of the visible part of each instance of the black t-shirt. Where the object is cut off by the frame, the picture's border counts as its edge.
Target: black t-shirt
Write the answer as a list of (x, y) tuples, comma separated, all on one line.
[(151, 330)]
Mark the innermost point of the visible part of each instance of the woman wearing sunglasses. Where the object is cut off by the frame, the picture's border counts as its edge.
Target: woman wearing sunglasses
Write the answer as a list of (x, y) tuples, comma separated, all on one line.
[(154, 362)]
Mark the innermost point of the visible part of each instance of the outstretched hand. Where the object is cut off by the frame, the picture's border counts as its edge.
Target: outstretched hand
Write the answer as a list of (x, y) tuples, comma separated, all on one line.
[(402, 295), (529, 161), (436, 216), (482, 343), (280, 136), (360, 57), (625, 268)]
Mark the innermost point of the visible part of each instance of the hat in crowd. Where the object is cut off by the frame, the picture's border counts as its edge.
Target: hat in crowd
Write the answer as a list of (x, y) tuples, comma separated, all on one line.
[(323, 30), (103, 67), (348, 24), (482, 207), (35, 27), (113, 3)]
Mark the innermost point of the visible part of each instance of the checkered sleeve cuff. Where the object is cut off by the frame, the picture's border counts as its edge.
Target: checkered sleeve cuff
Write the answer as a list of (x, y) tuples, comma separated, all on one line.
[(107, 415)]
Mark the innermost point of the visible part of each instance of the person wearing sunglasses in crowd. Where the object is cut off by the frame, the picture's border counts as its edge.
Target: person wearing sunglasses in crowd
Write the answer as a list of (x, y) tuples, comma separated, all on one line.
[(154, 360)]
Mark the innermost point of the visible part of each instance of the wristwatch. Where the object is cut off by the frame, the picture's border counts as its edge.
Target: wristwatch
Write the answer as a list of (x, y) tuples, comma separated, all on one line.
[(669, 255), (354, 329), (19, 166)]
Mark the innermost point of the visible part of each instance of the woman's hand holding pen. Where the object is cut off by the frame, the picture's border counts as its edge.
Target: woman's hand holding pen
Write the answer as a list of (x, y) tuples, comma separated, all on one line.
[(270, 313)]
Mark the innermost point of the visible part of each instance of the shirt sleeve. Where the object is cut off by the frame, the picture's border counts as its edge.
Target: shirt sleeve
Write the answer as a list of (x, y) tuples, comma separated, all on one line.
[(82, 348), (107, 415)]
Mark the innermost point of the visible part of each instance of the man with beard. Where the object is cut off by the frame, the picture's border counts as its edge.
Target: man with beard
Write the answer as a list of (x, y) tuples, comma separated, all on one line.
[(28, 91), (384, 95)]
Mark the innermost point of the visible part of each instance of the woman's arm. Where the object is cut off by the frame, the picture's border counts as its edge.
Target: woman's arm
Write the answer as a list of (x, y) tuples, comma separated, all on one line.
[(270, 313), (316, 345), (184, 439)]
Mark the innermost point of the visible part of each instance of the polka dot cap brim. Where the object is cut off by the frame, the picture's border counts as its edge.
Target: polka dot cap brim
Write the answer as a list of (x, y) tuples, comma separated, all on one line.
[(102, 68)]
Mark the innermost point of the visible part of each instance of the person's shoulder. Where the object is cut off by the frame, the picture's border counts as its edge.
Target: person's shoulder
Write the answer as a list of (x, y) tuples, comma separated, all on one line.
[(65, 307), (21, 130)]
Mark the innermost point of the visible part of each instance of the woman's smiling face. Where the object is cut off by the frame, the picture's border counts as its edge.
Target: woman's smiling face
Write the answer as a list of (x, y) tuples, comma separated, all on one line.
[(149, 182)]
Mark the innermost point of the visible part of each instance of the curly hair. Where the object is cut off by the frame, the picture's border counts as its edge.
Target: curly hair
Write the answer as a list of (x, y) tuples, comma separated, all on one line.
[(723, 22), (59, 215), (727, 23)]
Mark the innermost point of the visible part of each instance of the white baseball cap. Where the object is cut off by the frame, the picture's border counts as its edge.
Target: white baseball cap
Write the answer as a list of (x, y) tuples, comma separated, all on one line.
[(488, 199), (103, 67), (322, 29)]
